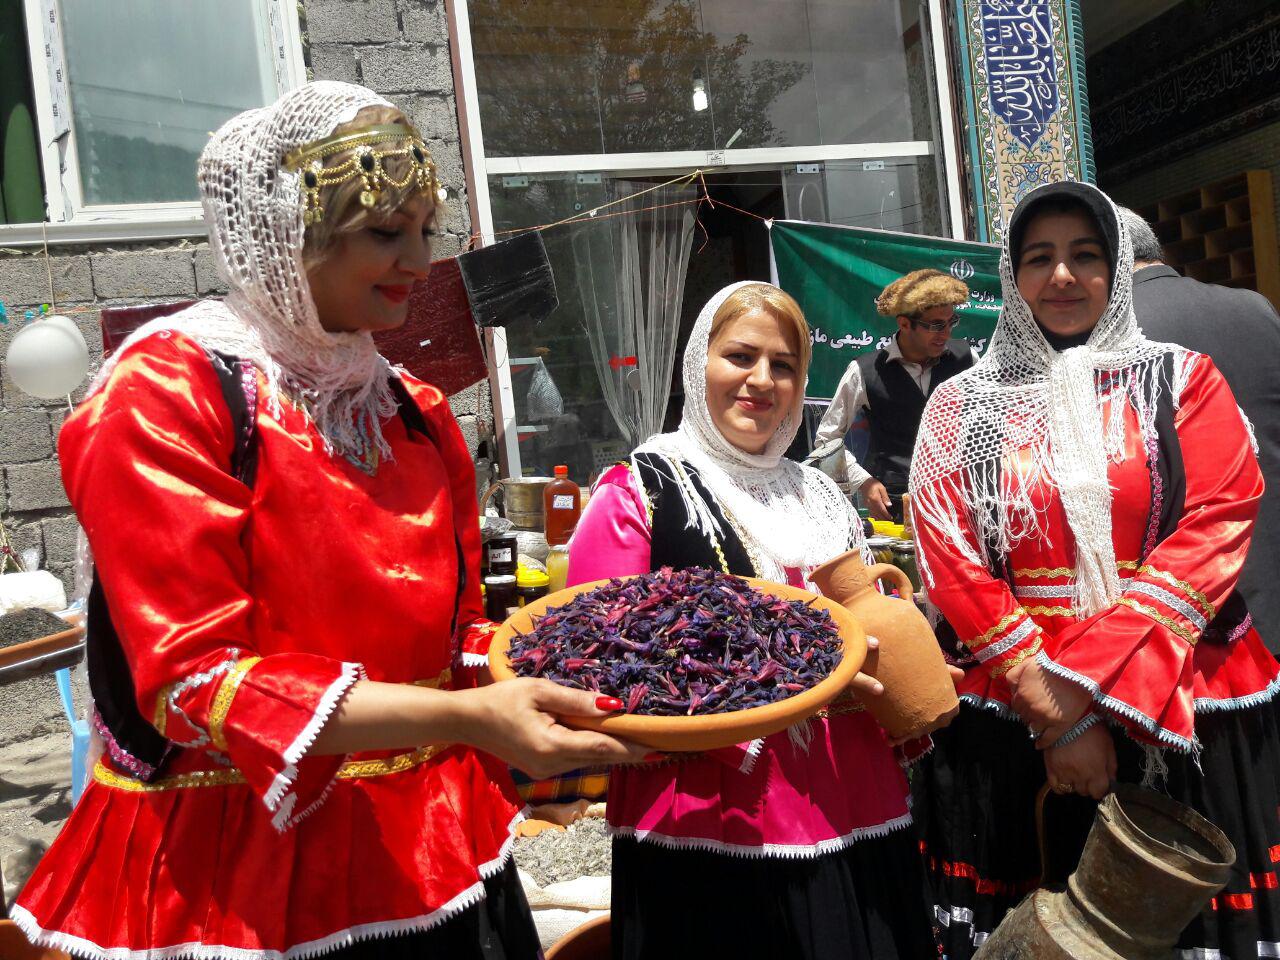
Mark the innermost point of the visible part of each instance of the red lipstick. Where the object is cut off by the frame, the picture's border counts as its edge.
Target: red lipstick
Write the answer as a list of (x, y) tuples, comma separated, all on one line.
[(397, 293)]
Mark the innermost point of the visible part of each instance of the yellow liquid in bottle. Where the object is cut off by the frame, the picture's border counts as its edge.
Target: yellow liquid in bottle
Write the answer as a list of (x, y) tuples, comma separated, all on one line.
[(557, 568)]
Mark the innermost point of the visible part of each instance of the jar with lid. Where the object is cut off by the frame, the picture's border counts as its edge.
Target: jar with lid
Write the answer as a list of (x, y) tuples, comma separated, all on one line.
[(531, 585), (499, 596), (557, 567), (881, 548), (500, 554), (904, 558)]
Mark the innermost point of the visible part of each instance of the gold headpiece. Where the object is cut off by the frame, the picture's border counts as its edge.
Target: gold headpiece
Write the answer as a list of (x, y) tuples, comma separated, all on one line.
[(366, 161)]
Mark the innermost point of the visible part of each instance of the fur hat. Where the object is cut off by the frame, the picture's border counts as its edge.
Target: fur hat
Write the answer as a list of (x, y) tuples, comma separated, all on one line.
[(919, 290)]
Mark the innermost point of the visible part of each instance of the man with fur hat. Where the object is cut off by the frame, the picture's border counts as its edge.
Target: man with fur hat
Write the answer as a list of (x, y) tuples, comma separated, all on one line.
[(893, 383)]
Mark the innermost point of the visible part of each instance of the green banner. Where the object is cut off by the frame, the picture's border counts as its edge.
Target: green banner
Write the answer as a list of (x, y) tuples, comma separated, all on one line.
[(836, 273)]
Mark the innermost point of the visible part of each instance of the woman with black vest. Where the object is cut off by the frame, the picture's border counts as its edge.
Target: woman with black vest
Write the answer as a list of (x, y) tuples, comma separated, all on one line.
[(893, 383), (796, 845)]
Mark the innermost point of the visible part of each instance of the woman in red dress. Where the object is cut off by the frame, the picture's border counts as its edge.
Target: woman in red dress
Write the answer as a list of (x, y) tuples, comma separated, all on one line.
[(286, 603), (1084, 499)]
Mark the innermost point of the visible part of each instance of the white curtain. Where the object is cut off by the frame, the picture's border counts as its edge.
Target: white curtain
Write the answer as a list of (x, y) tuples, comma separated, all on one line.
[(630, 272)]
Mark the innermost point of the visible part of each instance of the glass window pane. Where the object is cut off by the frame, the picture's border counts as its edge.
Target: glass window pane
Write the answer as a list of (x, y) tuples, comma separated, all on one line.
[(587, 383), (900, 194), (552, 360), (149, 80), (616, 76)]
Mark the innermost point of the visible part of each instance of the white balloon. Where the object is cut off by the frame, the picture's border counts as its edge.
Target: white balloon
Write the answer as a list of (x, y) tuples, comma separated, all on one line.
[(48, 358)]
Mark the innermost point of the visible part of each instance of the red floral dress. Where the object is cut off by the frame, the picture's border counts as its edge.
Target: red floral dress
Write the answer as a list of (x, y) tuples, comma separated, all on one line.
[(245, 614)]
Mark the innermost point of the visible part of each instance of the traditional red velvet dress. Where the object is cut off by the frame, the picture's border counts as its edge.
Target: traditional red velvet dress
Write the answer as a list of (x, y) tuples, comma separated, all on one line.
[(245, 614), (1156, 666)]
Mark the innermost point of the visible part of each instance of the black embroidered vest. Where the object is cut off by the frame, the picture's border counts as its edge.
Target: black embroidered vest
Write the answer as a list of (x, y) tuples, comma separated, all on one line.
[(676, 543), (895, 405)]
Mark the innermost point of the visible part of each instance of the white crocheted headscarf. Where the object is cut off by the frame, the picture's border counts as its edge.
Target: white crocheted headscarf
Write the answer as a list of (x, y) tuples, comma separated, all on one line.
[(253, 207), (1027, 413), (788, 515)]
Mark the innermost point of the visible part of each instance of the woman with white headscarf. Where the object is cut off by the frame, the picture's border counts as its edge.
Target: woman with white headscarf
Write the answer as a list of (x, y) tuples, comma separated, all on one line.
[(1084, 499), (286, 600), (797, 845)]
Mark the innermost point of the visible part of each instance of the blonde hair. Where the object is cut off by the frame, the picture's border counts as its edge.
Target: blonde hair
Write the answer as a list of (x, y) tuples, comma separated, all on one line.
[(777, 303), (343, 212), (919, 290)]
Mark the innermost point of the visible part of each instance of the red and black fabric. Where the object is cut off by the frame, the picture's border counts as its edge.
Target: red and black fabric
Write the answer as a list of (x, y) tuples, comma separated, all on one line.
[(981, 848), (244, 615)]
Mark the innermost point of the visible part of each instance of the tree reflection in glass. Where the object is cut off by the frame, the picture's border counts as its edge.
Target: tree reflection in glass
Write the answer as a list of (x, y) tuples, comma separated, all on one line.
[(568, 77)]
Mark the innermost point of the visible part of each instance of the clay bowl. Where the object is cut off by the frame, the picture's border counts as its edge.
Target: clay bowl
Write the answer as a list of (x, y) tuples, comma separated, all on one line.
[(711, 731), (591, 941)]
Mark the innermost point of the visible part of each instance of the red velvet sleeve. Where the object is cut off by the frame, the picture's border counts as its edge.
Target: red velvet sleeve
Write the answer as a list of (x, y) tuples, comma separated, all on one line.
[(474, 631), (980, 607), (146, 464), (1136, 657)]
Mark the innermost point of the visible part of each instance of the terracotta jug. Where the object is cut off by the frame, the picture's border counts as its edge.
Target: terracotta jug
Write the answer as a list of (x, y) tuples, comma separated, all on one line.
[(918, 692)]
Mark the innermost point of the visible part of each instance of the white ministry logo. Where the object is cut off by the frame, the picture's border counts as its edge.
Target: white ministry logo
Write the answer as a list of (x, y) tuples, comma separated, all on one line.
[(962, 269)]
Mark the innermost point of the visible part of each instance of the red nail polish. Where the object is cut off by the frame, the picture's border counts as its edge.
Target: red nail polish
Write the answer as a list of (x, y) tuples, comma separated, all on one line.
[(608, 703)]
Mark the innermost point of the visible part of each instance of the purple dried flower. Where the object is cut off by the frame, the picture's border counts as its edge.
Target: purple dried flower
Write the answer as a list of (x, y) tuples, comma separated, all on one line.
[(681, 642)]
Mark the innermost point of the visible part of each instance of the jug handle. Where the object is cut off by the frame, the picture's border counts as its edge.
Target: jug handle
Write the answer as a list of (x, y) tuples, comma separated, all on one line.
[(887, 571), (488, 495)]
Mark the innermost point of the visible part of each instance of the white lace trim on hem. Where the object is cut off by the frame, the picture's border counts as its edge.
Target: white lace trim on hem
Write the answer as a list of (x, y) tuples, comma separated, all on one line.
[(80, 947), (781, 851)]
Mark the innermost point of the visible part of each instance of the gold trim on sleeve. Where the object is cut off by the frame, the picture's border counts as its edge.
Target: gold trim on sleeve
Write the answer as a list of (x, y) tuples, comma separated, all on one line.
[(1000, 669), (980, 642), (222, 700), (161, 718), (1160, 618), (1207, 607)]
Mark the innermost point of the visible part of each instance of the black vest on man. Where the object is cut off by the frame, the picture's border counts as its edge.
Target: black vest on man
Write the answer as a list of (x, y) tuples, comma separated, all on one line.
[(895, 405)]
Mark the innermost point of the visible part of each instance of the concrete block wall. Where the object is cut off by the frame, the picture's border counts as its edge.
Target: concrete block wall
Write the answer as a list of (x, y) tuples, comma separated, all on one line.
[(400, 49), (85, 279), (397, 47)]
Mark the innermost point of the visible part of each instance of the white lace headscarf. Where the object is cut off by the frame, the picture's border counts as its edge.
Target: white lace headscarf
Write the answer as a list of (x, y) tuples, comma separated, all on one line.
[(1027, 413), (788, 515), (253, 207)]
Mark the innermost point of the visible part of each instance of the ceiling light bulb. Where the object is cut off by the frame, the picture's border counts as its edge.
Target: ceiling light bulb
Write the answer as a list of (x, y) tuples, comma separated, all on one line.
[(700, 101)]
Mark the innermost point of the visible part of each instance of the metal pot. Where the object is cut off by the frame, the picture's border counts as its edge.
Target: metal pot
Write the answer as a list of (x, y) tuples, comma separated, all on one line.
[(1149, 866), (521, 500)]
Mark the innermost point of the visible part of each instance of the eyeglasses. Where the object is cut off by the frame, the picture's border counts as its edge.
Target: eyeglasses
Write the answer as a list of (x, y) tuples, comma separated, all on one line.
[(935, 326)]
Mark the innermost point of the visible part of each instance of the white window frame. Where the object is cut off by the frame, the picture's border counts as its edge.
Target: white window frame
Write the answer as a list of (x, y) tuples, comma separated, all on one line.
[(68, 218), (479, 168)]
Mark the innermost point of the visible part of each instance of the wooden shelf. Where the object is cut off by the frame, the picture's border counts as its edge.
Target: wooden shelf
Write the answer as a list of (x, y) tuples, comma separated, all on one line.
[(1223, 232)]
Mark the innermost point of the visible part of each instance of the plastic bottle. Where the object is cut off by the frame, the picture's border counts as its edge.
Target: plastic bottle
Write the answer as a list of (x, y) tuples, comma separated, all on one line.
[(561, 504)]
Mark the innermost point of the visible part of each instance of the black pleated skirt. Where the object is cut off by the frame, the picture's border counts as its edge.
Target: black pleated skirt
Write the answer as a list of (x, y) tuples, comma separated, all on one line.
[(499, 927), (866, 902), (975, 810)]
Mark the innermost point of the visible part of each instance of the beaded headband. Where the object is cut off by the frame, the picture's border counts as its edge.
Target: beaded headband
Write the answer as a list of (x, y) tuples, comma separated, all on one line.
[(366, 161)]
